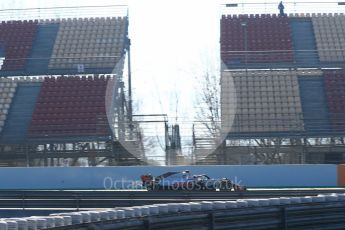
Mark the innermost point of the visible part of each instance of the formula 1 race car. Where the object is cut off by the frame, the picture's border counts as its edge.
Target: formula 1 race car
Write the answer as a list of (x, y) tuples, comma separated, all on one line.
[(186, 181)]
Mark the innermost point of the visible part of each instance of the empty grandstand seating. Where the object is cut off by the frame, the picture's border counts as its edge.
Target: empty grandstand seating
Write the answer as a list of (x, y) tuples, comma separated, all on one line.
[(309, 102), (314, 103), (16, 38), (304, 42), (20, 112), (92, 43), (335, 91), (330, 37), (71, 106), (266, 101), (62, 46), (301, 101), (7, 91), (256, 39), (42, 48)]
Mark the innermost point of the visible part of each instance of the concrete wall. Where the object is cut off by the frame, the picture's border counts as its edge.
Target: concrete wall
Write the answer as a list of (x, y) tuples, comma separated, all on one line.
[(126, 177)]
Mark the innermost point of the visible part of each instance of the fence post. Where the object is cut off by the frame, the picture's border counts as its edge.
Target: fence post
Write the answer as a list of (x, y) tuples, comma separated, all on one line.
[(211, 217), (23, 201), (284, 218), (77, 202), (147, 224)]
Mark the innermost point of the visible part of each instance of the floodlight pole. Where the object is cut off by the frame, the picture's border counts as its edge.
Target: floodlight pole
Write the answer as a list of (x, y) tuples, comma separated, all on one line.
[(130, 108), (130, 103)]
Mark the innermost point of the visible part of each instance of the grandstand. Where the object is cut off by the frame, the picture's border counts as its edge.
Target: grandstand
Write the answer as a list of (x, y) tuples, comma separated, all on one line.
[(69, 106), (282, 89), (62, 93), (62, 46), (62, 90), (297, 40), (244, 34)]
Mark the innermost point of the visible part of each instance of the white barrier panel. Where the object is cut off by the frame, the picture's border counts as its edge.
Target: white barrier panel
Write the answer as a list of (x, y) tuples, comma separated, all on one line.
[(124, 177)]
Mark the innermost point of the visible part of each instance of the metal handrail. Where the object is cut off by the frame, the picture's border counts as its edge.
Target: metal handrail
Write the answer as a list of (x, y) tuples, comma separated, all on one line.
[(298, 216)]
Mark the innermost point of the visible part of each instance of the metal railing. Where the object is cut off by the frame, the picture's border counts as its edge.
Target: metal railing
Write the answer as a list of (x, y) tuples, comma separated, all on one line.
[(109, 199), (328, 215)]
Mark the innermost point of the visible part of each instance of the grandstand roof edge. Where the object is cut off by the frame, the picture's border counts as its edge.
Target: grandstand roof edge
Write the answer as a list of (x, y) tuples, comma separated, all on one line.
[(290, 15)]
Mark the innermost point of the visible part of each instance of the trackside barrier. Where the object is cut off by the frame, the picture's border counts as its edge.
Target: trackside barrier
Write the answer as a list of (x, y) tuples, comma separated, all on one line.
[(128, 177), (315, 212), (76, 200)]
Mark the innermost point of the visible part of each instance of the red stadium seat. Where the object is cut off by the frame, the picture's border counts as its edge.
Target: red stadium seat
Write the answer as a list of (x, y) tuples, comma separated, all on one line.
[(264, 33), (69, 107), (335, 91), (17, 38)]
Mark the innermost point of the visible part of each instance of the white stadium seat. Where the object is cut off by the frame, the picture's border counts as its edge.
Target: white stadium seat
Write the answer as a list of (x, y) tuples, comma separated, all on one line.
[(93, 37), (265, 96)]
